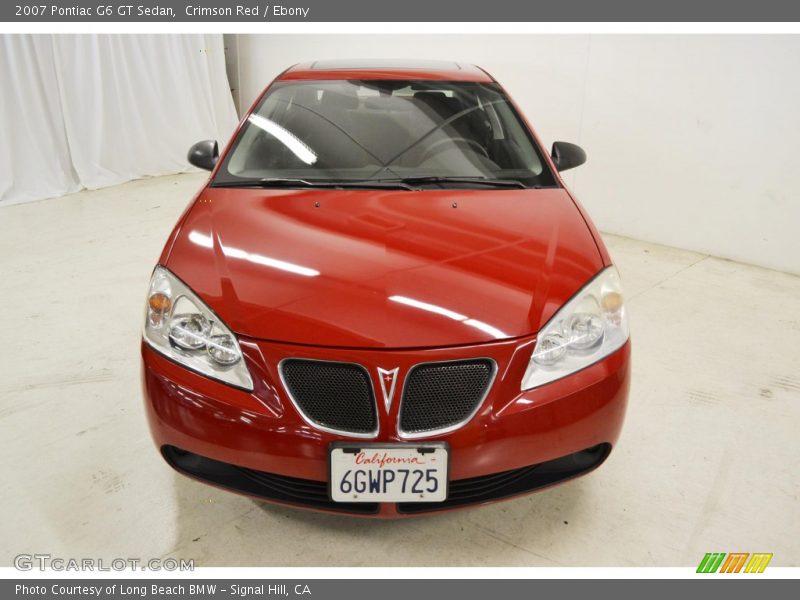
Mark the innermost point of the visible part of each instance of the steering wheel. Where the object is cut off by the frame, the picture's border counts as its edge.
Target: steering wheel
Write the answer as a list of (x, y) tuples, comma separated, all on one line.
[(437, 147)]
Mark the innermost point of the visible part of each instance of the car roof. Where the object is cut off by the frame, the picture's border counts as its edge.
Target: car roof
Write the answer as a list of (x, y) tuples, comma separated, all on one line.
[(386, 69)]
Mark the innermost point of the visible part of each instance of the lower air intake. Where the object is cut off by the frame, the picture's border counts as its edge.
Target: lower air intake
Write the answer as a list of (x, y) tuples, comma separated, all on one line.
[(278, 488)]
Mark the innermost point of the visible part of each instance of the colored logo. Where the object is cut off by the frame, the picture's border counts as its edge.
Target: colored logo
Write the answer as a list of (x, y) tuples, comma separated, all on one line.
[(388, 383), (735, 562)]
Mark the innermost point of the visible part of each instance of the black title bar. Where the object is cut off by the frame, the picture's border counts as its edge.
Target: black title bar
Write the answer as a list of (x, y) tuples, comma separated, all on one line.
[(408, 10)]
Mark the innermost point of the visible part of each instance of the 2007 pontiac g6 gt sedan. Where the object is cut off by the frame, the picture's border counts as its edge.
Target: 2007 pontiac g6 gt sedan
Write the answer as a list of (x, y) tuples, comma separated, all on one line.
[(385, 301)]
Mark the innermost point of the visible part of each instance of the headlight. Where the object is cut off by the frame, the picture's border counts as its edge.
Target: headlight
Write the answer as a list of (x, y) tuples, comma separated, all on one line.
[(586, 329), (178, 325)]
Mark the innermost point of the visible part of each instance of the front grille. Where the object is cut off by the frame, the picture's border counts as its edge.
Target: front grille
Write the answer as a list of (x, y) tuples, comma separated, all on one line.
[(496, 486), (443, 395), (280, 488), (332, 395)]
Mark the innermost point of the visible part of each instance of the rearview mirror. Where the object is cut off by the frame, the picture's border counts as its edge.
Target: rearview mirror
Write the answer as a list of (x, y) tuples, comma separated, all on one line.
[(567, 156), (204, 155)]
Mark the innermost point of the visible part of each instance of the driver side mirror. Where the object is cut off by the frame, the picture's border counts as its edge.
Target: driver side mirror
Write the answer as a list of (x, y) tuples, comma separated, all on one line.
[(204, 155), (567, 156)]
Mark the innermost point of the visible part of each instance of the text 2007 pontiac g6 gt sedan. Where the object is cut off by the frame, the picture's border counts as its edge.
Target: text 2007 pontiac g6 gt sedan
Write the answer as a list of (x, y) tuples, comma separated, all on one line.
[(385, 301)]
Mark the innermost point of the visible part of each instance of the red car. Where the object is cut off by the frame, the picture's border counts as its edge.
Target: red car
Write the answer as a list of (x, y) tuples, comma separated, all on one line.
[(385, 301)]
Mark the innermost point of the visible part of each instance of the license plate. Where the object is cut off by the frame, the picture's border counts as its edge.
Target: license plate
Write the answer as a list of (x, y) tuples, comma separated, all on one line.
[(388, 472)]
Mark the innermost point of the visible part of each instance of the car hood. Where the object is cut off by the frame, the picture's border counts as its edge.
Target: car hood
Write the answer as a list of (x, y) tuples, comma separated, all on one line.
[(384, 269)]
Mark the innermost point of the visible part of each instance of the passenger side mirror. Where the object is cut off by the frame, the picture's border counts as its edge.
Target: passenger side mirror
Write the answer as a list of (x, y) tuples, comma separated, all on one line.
[(567, 156), (204, 155)]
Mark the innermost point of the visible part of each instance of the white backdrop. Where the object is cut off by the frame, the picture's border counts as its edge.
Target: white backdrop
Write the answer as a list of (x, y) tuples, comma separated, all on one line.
[(693, 141), (97, 110)]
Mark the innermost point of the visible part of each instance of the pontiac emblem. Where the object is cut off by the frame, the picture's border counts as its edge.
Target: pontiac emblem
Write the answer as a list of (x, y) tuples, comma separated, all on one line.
[(388, 383)]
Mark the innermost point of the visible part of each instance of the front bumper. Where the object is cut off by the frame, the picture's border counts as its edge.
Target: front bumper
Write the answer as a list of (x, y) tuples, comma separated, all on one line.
[(257, 443)]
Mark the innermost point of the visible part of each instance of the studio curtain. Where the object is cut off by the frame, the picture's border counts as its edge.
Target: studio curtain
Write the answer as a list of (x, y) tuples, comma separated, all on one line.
[(88, 111)]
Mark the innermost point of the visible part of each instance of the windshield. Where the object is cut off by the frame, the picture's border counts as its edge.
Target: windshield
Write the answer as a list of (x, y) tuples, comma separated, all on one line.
[(440, 133)]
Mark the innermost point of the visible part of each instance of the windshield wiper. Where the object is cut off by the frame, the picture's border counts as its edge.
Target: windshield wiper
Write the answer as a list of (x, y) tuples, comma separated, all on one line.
[(280, 182), (515, 183)]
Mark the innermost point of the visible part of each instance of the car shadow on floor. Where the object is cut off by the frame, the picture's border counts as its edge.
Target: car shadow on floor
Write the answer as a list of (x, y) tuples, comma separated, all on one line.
[(216, 527), (219, 528), (512, 532)]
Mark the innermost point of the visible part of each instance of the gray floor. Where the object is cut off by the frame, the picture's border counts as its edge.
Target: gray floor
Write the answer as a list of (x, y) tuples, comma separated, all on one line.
[(708, 461)]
